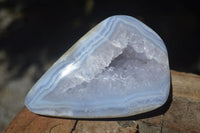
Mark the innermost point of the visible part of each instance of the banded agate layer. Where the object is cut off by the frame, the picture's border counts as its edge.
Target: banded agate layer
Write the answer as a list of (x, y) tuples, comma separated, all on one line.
[(119, 68)]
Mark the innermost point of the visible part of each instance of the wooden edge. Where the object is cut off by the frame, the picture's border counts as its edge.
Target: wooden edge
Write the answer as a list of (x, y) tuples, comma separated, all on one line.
[(28, 122), (186, 85)]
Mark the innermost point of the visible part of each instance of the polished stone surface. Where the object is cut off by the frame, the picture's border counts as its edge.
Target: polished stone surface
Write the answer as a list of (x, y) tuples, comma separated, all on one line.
[(119, 68)]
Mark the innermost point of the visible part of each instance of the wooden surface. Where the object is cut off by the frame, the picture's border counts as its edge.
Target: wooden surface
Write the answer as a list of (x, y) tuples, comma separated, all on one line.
[(181, 113)]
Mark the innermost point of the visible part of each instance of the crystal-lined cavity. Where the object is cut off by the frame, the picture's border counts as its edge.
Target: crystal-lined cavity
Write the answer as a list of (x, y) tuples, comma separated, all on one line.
[(119, 68)]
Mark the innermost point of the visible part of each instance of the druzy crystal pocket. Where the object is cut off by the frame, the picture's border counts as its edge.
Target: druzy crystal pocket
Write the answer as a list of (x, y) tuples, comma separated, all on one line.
[(119, 68)]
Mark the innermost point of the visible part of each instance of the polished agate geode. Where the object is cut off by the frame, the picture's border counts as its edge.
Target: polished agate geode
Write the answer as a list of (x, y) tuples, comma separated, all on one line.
[(119, 68)]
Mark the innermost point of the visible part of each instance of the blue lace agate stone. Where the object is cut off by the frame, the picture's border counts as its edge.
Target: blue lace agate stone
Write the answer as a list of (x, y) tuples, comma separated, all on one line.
[(119, 68)]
